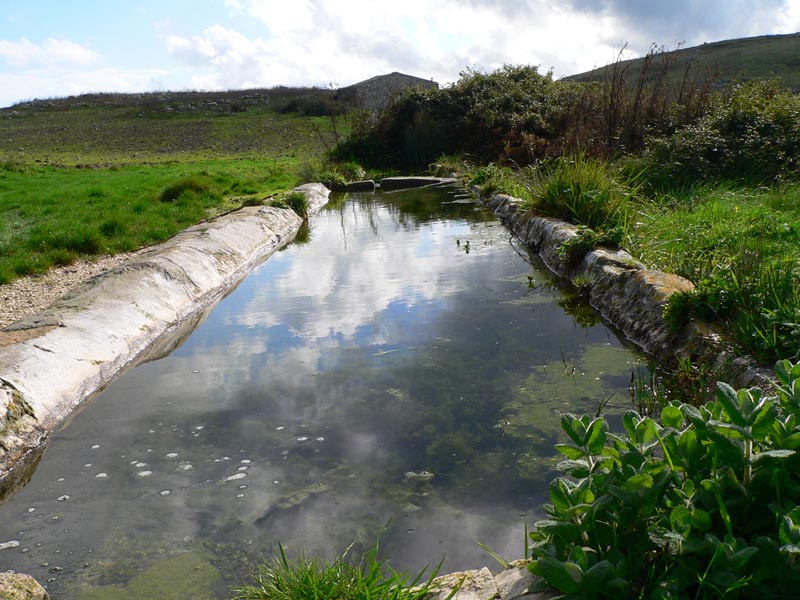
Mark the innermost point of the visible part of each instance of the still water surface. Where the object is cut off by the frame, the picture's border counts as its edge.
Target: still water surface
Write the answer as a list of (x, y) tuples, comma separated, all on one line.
[(402, 368)]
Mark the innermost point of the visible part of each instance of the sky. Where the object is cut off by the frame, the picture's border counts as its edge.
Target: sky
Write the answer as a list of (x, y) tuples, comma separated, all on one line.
[(55, 48)]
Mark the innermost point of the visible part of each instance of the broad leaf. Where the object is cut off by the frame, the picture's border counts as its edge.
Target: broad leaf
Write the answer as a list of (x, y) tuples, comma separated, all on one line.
[(701, 520), (629, 421), (595, 576), (574, 468), (559, 495), (573, 428), (596, 437), (671, 416), (565, 577), (639, 482), (765, 419), (570, 451), (772, 454), (729, 401), (680, 519)]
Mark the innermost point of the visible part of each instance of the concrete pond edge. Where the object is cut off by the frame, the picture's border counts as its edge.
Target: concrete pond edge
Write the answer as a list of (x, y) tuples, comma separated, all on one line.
[(52, 362), (627, 294)]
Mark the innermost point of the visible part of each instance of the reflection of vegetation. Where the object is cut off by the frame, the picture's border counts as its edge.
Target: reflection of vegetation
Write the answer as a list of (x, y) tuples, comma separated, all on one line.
[(423, 205), (303, 234), (577, 306)]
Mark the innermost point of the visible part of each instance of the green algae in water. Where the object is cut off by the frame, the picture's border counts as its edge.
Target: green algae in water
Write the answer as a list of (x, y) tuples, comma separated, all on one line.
[(535, 411), (187, 575)]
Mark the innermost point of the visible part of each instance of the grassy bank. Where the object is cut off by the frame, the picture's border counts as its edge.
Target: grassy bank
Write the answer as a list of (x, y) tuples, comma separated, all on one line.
[(54, 215), (110, 173), (737, 243)]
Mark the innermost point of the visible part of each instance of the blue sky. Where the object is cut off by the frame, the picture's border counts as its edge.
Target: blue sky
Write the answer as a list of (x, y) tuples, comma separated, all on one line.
[(56, 48)]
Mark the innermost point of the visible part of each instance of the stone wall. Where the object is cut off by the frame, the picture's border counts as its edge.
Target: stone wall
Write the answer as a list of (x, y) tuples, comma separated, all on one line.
[(628, 295)]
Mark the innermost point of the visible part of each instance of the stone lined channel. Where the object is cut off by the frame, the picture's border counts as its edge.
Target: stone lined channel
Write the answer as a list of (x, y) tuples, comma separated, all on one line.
[(404, 362)]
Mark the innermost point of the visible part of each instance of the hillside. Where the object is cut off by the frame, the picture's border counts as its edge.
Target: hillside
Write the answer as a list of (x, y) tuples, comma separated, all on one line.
[(101, 129), (770, 56)]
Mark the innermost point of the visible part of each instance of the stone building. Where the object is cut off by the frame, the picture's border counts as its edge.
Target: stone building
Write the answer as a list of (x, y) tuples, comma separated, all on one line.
[(377, 93)]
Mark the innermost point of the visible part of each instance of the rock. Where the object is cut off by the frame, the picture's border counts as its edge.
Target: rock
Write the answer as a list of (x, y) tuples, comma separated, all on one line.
[(366, 185), (511, 584), (472, 585), (514, 581), (16, 586), (402, 183)]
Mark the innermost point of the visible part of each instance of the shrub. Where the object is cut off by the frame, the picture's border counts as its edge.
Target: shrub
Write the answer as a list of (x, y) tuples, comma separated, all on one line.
[(581, 190), (701, 503), (192, 185), (297, 201), (342, 579), (751, 132)]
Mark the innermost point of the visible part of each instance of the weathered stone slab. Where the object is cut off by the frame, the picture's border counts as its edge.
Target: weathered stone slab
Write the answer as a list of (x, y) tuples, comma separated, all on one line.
[(624, 291), (402, 183), (85, 339), (366, 185)]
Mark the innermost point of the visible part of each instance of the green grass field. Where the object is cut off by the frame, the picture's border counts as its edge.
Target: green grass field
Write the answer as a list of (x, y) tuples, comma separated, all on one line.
[(83, 178)]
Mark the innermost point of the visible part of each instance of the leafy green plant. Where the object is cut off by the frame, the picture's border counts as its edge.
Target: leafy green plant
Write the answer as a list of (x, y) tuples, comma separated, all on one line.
[(700, 503), (367, 578)]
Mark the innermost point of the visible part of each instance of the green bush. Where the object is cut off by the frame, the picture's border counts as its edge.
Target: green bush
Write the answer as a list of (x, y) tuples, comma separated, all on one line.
[(192, 185), (512, 113), (342, 579), (699, 504), (583, 191), (751, 133), (297, 201)]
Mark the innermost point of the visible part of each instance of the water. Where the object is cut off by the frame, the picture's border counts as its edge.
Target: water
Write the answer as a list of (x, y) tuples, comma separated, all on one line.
[(401, 370)]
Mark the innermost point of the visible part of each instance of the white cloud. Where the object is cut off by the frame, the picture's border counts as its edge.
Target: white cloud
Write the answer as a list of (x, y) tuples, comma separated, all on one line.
[(318, 42), (52, 51), (55, 82)]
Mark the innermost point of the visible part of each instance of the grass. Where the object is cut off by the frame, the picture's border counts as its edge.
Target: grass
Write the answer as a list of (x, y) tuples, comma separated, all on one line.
[(582, 190), (54, 215), (100, 132), (739, 246), (341, 579)]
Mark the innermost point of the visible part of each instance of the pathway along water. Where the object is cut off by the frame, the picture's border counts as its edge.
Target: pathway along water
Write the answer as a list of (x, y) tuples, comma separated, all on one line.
[(405, 363)]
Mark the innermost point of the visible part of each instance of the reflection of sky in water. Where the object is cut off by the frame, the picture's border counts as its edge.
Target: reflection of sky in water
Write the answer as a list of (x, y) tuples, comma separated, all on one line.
[(401, 339)]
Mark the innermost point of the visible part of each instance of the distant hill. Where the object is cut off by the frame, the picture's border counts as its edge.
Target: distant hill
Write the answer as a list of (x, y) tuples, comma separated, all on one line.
[(744, 59)]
